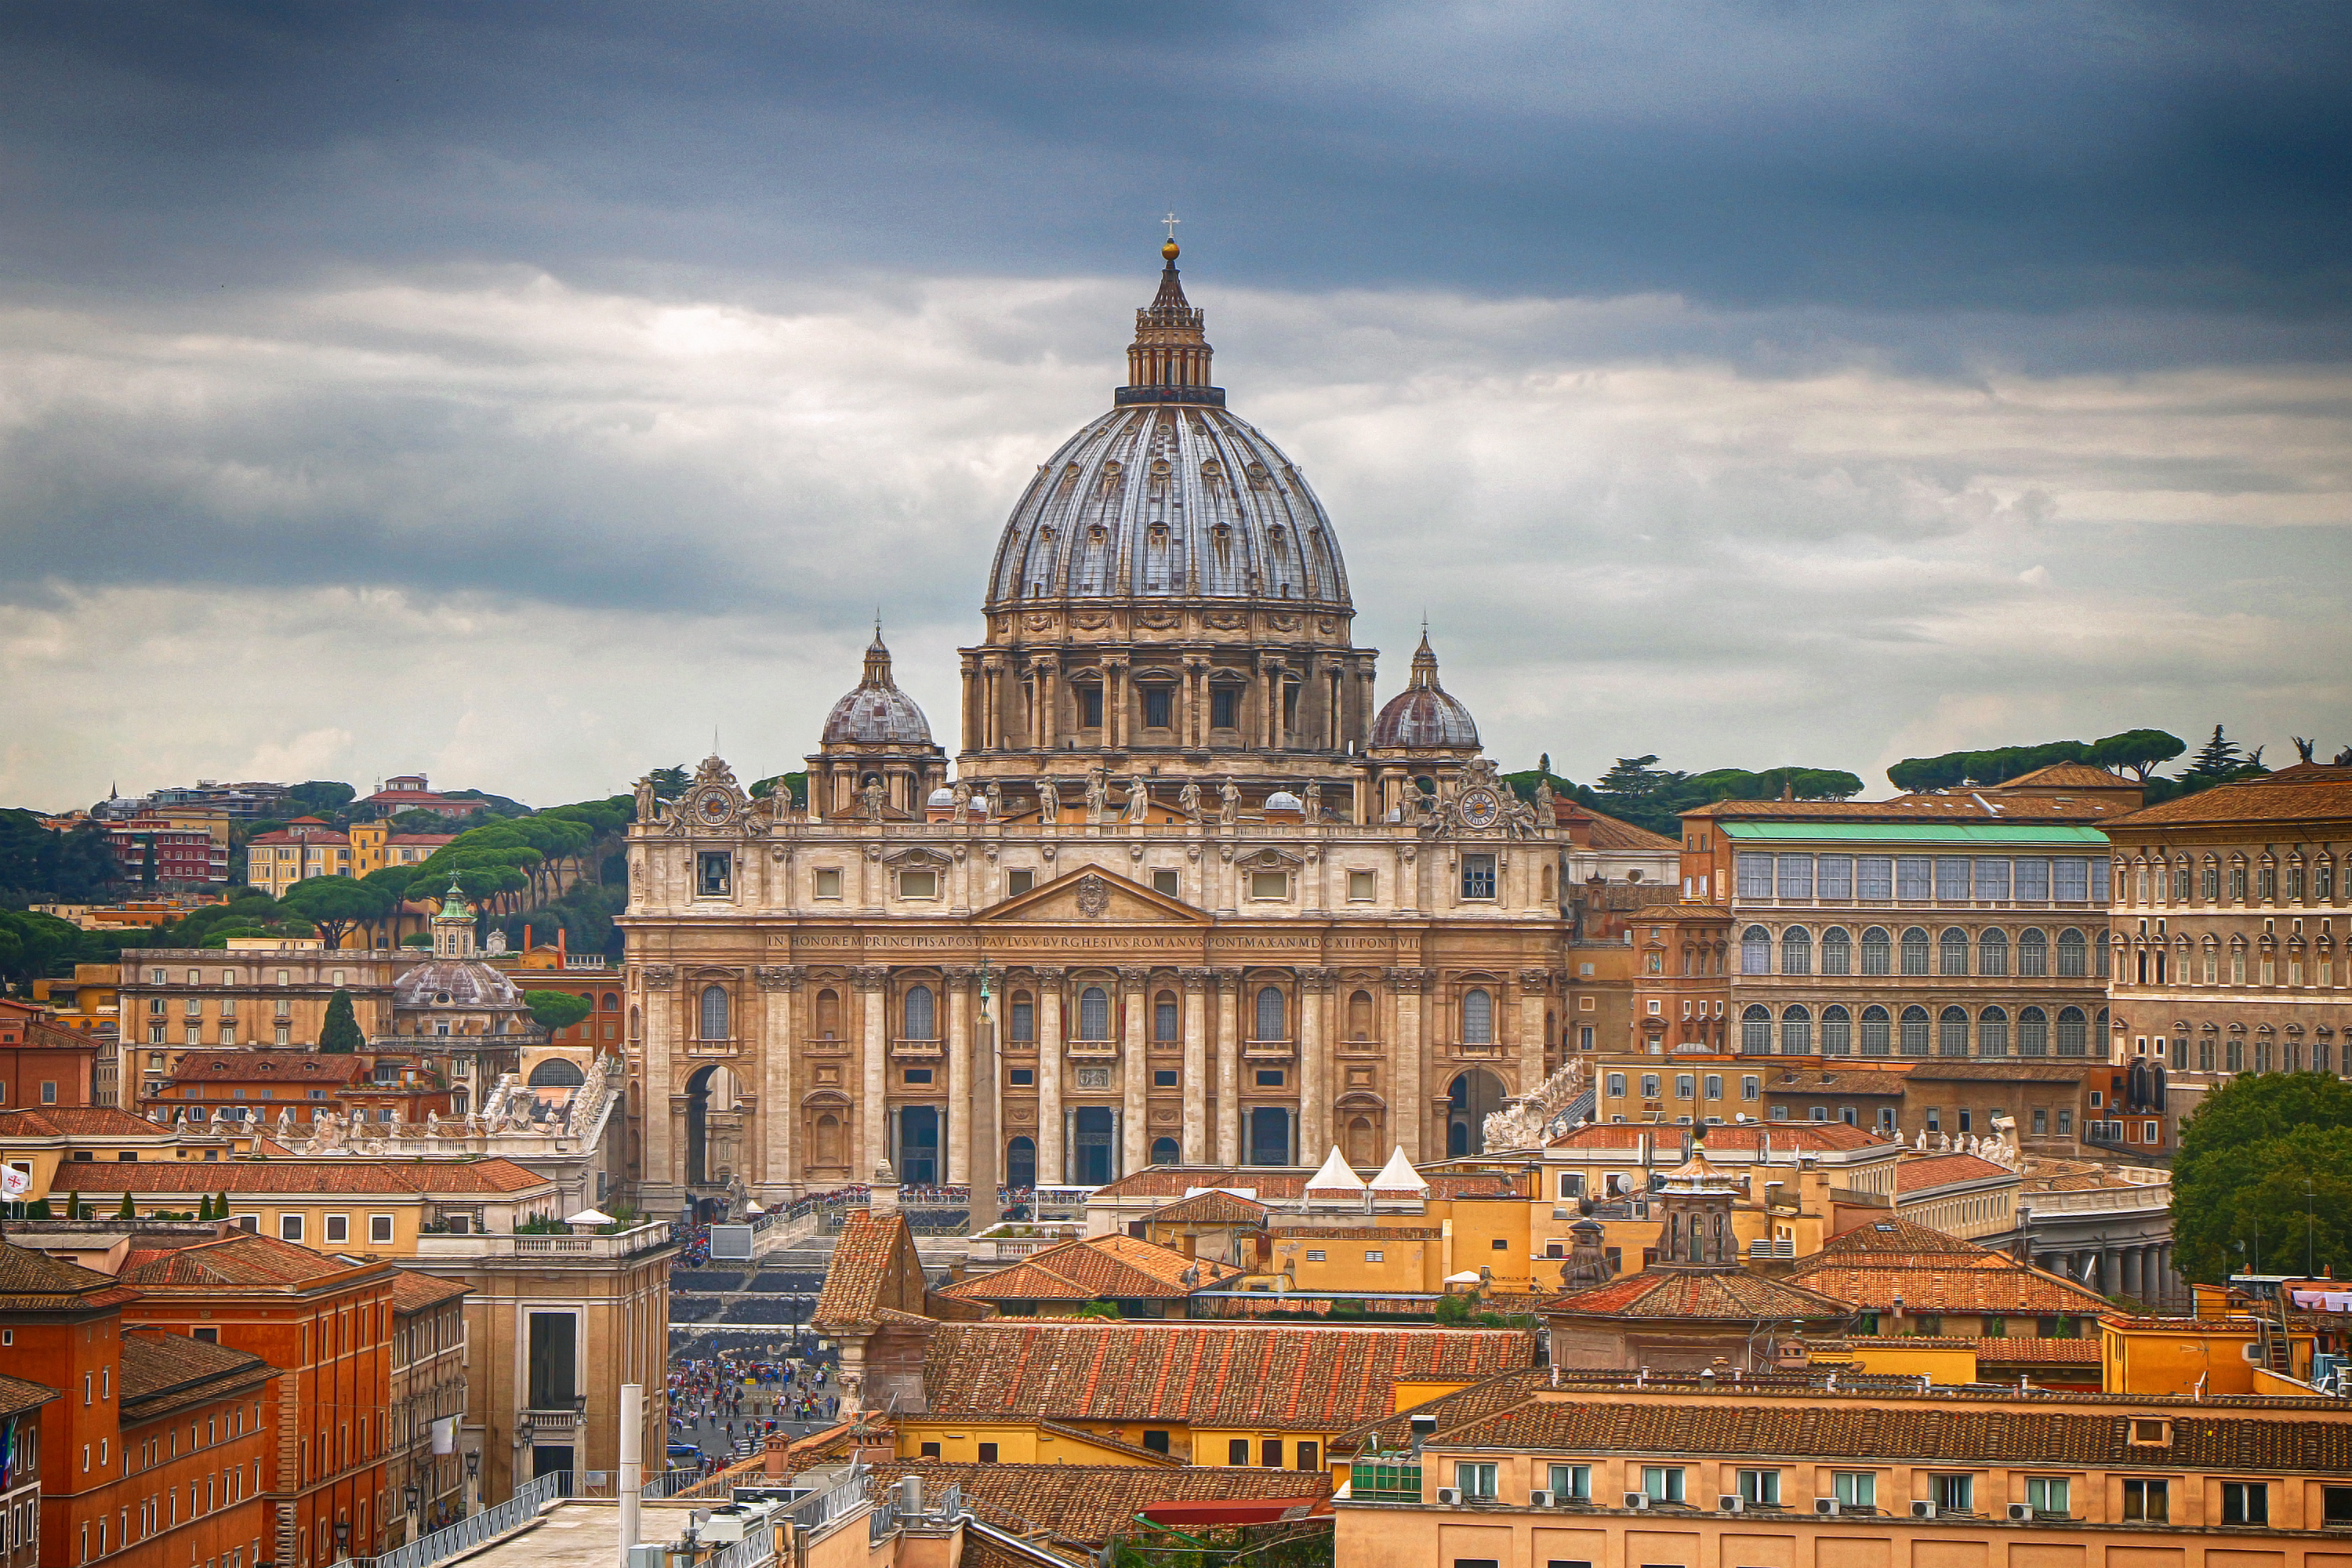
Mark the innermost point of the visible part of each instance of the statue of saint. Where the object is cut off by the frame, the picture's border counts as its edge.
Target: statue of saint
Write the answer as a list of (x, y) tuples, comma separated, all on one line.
[(1049, 803), (1188, 800), (1098, 796), (1229, 803), (1138, 799), (961, 796), (872, 796), (995, 798), (1311, 798)]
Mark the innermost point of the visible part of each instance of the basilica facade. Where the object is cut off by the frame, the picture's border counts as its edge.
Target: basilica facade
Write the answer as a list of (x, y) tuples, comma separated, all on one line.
[(1192, 893)]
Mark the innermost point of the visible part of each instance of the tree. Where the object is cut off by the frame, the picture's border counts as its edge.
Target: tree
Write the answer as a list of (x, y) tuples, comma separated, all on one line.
[(2136, 752), (147, 860), (670, 783), (335, 905), (555, 1010), (1926, 774), (2245, 1153), (1635, 779), (126, 1211), (73, 1206), (322, 799), (37, 1209), (340, 1034)]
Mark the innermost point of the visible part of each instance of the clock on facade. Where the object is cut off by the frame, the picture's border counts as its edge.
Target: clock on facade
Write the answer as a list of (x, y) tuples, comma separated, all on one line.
[(1480, 807), (713, 806)]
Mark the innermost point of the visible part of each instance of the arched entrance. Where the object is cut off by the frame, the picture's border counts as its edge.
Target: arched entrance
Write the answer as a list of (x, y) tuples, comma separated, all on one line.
[(915, 1144), (709, 1090), (1021, 1163), (1475, 1096), (1093, 1134), (1269, 1136)]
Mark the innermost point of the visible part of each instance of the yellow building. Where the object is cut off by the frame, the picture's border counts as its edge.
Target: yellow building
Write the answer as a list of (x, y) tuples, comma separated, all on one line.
[(65, 1149), (309, 846), (2237, 1353)]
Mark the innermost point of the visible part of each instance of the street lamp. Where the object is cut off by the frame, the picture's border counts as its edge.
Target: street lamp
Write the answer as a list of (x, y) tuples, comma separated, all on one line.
[(409, 1496), (342, 1538)]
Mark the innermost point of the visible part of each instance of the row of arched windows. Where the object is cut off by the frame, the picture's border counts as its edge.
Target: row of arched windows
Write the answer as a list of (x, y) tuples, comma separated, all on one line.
[(1878, 1031), (1948, 952)]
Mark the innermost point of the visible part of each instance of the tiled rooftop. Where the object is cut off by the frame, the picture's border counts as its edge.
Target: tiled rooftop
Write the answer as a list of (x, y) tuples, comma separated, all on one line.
[(1099, 1267), (226, 1262), (1210, 1208), (310, 1067), (1874, 1263), (2314, 792), (1730, 1295), (1089, 1504), (412, 1293), (875, 1269), (253, 1177), (1933, 1170), (16, 1395), (78, 1122), (163, 1371)]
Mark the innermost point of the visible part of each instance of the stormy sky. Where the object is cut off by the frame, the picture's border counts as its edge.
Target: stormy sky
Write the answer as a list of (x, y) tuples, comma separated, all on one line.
[(519, 392)]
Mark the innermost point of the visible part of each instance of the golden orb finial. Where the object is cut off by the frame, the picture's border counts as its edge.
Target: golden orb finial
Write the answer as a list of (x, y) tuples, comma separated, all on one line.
[(1167, 252)]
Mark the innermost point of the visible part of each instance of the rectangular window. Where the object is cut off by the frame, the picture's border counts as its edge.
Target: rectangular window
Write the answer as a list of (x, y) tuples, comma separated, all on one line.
[(1016, 882), (1269, 1077), (1649, 1086), (1090, 706), (1951, 880), (289, 1227), (1873, 877), (918, 884), (1755, 876), (1914, 877), (2032, 881), (1992, 877), (1165, 883), (1225, 708), (1269, 884), (1685, 1086), (1158, 701), (1375, 1255), (988, 1452), (2246, 1502), (2070, 879), (1477, 876), (1023, 1078), (1269, 1454), (1662, 1483), (338, 1228), (1362, 887), (1856, 1489), (1953, 1494), (1163, 1078), (2150, 1502), (2334, 1505), (1573, 1481), (917, 1075), (2048, 1494), (1616, 1086), (828, 882), (1237, 1452), (1713, 1088), (1474, 1481), (1833, 879), (1760, 1489), (1751, 1088), (714, 871), (554, 1338), (380, 1229), (1796, 874)]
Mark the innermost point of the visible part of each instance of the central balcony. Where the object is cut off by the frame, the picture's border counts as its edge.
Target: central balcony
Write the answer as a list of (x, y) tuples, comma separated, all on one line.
[(1267, 1050), (917, 1050), (1091, 1050)]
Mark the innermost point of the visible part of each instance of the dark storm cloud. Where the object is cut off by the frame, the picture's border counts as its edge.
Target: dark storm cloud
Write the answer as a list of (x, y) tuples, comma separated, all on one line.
[(2035, 157)]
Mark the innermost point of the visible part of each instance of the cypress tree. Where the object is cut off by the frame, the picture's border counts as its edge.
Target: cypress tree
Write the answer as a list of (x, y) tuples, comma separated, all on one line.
[(126, 1211), (340, 1035)]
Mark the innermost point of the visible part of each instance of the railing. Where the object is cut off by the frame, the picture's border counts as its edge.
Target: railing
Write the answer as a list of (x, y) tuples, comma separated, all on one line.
[(497, 1244), (923, 1048), (814, 1513), (473, 1530), (2093, 1200), (712, 1047), (1267, 1048)]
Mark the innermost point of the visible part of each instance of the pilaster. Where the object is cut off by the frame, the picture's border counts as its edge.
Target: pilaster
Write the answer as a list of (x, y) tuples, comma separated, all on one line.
[(872, 984), (1229, 1066), (1049, 1074), (1196, 1068), (780, 987)]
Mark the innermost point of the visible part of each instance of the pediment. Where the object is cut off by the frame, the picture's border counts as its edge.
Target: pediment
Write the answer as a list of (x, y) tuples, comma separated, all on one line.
[(1091, 894)]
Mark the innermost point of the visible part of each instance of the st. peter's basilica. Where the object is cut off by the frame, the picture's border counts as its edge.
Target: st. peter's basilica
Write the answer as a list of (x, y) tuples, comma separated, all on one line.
[(1193, 894)]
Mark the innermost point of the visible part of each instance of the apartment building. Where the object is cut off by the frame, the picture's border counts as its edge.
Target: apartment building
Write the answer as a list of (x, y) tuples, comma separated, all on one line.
[(309, 846), (20, 1470), (421, 1465), (2229, 916)]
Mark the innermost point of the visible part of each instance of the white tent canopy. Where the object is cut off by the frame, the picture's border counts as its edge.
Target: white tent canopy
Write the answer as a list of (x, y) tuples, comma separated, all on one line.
[(1336, 1176), (1399, 1176), (592, 1216)]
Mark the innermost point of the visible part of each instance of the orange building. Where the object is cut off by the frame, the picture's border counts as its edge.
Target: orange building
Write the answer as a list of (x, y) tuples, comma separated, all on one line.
[(20, 1470), (155, 1456), (325, 1324), (43, 1063)]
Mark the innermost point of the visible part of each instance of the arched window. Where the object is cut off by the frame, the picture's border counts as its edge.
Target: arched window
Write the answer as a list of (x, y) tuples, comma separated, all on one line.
[(1837, 1032), (1993, 952), (1021, 1163), (1477, 1018), (828, 1140), (1952, 1033), (1796, 951), (637, 1023), (2072, 952), (1796, 1032), (1093, 1014), (1756, 1031), (1756, 951), (1164, 1016), (2073, 1031), (1877, 953), (1270, 1014), (1876, 1038), (1952, 951), (919, 1013), (1915, 1031), (1359, 1015), (828, 1015), (612, 1001), (1915, 951), (1024, 1021), (1837, 951), (2032, 952), (1992, 1032), (556, 1072), (712, 1019), (1163, 1152), (2034, 1033)]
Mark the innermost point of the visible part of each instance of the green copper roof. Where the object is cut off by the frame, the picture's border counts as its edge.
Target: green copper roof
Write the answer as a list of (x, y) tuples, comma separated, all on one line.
[(1958, 835)]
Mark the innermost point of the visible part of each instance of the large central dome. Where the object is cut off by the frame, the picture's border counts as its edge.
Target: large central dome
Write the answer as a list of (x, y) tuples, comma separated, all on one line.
[(1168, 497)]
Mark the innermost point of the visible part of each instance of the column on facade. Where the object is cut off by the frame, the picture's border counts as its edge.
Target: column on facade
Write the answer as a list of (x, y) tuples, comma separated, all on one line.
[(1042, 734), (1134, 1072), (1196, 1069), (1314, 1078), (1229, 1066), (1049, 1076), (1531, 1028), (780, 987), (955, 1160), (1407, 1111), (1114, 676), (873, 1104), (660, 1159), (1196, 702)]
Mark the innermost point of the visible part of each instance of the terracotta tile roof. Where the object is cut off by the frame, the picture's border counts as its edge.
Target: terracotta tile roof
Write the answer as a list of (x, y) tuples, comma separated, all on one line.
[(1111, 1440), (228, 1262), (1837, 1082), (981, 1549), (248, 1177), (2034, 1351), (1933, 1272), (412, 1293), (1089, 1504), (1099, 1267), (2007, 1071), (1611, 1135), (1394, 1432), (1210, 1208), (1699, 1296), (1961, 806), (32, 1281), (1902, 1238), (874, 1267), (267, 1067), (78, 1122), (1605, 832), (2318, 795), (163, 1371), (1889, 1426), (1206, 1375), (1750, 1138), (1932, 1171), (1661, 913), (16, 1395)]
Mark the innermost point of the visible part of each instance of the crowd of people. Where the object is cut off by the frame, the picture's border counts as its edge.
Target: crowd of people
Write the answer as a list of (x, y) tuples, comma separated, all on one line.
[(725, 1403)]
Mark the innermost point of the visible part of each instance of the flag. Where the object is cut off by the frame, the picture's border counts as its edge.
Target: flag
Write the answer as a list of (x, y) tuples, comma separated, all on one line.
[(13, 1182), (444, 1435)]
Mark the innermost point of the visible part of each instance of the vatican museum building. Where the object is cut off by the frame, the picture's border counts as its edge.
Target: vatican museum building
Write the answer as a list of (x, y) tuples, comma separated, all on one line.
[(1193, 893)]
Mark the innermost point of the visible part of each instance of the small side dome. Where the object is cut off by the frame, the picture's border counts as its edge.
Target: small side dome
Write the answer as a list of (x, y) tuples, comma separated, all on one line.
[(1425, 715), (941, 800), (1283, 800), (878, 713)]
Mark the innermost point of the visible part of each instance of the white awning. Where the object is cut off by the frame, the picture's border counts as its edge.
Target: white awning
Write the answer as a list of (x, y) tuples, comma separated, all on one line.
[(592, 1216), (1336, 1176), (1399, 1176)]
